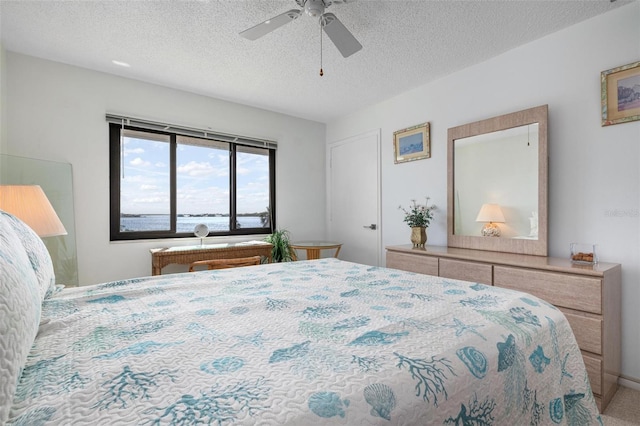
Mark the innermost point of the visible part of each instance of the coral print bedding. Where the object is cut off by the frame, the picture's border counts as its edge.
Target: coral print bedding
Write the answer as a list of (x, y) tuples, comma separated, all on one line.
[(314, 342)]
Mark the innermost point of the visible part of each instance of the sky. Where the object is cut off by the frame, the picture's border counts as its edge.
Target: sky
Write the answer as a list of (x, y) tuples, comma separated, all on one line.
[(202, 179)]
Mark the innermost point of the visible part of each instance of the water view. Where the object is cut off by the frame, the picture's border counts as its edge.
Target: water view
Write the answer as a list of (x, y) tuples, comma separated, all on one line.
[(157, 222)]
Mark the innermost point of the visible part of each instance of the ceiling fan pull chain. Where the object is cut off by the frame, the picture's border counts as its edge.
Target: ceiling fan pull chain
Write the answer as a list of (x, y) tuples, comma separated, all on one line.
[(321, 72)]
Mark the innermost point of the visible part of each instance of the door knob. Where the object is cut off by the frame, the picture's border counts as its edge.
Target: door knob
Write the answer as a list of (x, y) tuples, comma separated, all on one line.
[(372, 226)]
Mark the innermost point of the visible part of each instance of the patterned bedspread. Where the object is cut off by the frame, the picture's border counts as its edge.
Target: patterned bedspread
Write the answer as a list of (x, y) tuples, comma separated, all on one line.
[(302, 343)]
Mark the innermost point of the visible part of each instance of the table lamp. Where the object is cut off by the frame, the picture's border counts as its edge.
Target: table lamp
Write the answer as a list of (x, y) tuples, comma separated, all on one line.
[(492, 214), (30, 204)]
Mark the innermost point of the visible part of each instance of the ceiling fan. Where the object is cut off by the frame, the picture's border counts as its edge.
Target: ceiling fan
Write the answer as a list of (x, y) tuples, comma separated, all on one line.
[(337, 32)]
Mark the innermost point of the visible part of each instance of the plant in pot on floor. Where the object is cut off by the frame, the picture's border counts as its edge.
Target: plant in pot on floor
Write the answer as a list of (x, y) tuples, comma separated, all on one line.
[(418, 217), (281, 251)]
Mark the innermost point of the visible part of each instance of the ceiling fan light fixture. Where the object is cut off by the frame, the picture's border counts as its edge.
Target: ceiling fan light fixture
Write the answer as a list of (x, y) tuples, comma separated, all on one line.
[(314, 8), (341, 37)]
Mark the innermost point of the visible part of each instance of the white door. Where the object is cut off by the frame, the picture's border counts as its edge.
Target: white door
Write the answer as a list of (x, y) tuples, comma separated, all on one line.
[(354, 197)]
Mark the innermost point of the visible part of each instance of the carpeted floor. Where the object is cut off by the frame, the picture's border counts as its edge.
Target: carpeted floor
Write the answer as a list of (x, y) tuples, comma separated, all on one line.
[(624, 409)]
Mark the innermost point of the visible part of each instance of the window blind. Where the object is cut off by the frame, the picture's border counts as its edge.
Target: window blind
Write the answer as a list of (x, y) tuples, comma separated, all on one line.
[(190, 131)]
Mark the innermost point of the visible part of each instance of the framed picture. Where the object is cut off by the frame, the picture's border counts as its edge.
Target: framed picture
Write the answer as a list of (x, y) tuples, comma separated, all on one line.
[(411, 144), (620, 94)]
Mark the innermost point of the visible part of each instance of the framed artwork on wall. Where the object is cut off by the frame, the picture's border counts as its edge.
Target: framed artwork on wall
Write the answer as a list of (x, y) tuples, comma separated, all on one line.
[(620, 94), (413, 143)]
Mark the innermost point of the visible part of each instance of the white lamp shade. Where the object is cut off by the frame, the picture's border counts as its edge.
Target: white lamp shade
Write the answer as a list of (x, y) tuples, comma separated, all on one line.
[(490, 213), (30, 204)]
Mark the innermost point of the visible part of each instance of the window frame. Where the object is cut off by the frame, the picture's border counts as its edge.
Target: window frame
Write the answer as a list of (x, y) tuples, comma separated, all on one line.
[(114, 187)]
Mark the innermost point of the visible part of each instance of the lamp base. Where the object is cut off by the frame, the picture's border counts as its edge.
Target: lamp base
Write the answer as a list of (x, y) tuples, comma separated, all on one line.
[(490, 230)]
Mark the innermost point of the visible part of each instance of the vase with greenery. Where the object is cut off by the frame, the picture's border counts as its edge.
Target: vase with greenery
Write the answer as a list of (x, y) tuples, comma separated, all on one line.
[(281, 252), (418, 217)]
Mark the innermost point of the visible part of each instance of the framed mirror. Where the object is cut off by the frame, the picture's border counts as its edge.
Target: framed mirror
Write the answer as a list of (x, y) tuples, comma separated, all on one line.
[(497, 183)]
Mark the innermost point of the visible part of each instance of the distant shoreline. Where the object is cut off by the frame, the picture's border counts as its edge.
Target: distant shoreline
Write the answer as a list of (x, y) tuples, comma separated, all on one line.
[(194, 215), (186, 223)]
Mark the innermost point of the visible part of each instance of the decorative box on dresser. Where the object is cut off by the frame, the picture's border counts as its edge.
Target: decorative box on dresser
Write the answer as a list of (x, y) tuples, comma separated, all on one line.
[(588, 295)]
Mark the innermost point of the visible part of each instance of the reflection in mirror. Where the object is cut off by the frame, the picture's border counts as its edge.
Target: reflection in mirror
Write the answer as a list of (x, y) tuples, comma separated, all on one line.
[(56, 180), (501, 169), (497, 183)]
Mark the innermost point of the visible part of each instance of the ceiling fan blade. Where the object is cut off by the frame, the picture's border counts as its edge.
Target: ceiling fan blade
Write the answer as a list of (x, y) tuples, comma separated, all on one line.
[(269, 25), (340, 35)]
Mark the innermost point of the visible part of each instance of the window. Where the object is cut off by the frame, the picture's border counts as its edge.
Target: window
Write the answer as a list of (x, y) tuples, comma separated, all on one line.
[(164, 183)]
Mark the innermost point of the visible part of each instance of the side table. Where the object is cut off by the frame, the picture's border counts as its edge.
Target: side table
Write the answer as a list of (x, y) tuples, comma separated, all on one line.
[(313, 248)]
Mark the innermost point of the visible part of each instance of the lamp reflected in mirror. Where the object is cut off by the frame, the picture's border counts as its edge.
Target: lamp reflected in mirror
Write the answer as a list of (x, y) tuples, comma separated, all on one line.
[(30, 204), (491, 214)]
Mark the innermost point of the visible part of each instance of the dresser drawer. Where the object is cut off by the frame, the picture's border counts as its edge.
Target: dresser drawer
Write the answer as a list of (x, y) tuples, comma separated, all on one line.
[(569, 291), (413, 263), (588, 332), (594, 371), (468, 271)]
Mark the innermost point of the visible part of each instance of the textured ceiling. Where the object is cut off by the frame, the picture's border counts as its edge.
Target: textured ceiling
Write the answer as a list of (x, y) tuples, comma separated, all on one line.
[(195, 46)]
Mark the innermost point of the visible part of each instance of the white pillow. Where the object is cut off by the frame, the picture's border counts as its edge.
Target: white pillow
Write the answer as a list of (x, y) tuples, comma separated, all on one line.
[(20, 309), (37, 253)]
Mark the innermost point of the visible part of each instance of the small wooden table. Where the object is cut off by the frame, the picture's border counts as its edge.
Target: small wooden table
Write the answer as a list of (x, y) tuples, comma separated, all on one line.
[(184, 255), (313, 248)]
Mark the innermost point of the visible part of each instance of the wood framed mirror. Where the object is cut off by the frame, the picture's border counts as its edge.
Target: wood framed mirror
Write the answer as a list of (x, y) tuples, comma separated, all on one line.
[(497, 183)]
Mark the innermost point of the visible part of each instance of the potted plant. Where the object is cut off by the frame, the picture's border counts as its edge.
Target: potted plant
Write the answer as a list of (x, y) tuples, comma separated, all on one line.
[(418, 217), (281, 252)]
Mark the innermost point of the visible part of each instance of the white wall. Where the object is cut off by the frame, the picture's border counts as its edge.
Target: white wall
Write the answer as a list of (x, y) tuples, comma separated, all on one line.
[(58, 113), (594, 180)]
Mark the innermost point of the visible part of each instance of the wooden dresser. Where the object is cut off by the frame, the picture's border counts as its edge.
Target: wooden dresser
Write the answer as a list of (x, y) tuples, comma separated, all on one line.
[(589, 296)]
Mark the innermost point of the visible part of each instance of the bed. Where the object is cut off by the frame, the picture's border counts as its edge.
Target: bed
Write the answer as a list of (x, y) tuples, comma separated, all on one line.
[(310, 342)]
